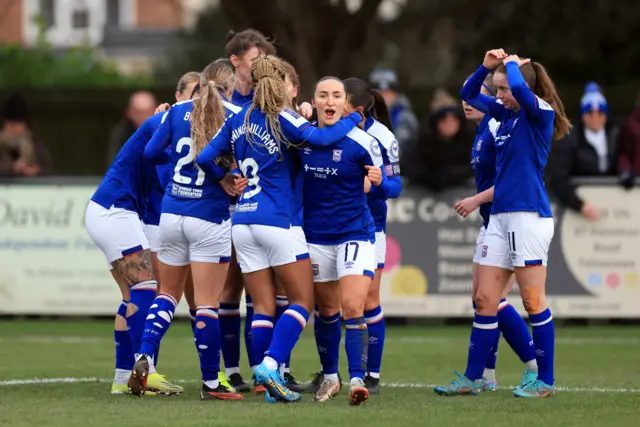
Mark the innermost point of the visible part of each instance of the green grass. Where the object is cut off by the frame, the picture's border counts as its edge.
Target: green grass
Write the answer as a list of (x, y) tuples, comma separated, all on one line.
[(586, 358)]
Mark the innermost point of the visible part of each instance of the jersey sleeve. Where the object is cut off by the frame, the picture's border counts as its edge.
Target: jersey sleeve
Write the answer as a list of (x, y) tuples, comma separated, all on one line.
[(154, 151), (391, 185), (535, 107), (470, 93), (298, 129), (220, 144)]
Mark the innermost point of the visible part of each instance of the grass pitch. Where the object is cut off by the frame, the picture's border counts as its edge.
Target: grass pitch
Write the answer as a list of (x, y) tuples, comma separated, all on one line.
[(58, 373)]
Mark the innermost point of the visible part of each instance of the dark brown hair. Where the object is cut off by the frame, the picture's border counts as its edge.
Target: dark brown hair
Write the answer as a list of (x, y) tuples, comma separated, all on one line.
[(541, 84), (292, 74), (239, 43), (360, 94)]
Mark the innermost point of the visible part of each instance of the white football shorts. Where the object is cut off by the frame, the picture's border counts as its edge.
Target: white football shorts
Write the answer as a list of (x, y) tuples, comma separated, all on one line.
[(116, 231), (381, 248), (332, 262), (477, 252), (187, 239), (262, 246), (153, 234), (517, 239)]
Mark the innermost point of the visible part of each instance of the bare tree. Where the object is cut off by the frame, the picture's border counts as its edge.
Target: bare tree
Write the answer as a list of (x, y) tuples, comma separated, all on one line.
[(319, 37)]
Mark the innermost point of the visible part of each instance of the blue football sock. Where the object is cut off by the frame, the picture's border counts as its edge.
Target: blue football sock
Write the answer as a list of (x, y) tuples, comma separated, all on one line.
[(282, 304), (157, 322), (376, 329), (261, 335), (229, 318), (328, 342), (141, 296), (544, 340), (515, 332), (208, 342), (356, 343), (124, 352), (287, 332), (247, 332), (483, 337)]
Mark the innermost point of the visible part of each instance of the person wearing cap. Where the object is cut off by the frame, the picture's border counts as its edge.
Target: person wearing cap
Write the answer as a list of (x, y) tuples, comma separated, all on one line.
[(405, 124), (591, 149), (440, 160)]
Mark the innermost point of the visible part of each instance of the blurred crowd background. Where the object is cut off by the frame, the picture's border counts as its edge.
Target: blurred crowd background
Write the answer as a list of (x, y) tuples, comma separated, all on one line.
[(77, 77)]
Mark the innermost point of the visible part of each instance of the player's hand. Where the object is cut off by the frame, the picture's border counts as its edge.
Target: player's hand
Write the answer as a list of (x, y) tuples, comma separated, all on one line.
[(374, 174), (240, 184), (367, 185), (493, 58), (517, 59), (306, 110), (466, 206), (228, 184), (162, 107), (590, 212)]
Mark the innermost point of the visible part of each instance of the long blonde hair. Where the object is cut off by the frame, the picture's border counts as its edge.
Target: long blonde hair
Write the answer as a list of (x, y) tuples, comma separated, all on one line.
[(270, 96), (208, 114)]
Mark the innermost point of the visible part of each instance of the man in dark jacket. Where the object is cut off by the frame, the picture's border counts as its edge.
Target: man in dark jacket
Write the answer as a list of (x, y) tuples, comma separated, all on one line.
[(140, 108), (591, 149)]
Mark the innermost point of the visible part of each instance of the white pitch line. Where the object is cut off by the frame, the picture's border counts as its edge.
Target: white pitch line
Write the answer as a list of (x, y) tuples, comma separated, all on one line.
[(36, 339), (62, 380)]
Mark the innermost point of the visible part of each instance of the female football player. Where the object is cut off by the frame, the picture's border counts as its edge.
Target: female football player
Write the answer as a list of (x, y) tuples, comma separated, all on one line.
[(260, 137), (195, 231), (521, 226), (341, 233), (483, 163)]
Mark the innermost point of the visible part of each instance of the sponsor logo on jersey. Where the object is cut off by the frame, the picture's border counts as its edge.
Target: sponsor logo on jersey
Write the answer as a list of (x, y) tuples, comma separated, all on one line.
[(321, 172), (307, 150)]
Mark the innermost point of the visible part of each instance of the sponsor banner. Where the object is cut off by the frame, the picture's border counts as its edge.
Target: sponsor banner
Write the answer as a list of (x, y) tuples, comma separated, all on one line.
[(593, 268), (48, 263), (50, 266)]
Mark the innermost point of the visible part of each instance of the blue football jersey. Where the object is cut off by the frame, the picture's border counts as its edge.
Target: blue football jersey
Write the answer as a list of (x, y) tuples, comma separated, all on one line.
[(522, 143), (130, 178), (241, 100), (335, 204), (269, 167), (190, 192), (389, 151), (483, 161)]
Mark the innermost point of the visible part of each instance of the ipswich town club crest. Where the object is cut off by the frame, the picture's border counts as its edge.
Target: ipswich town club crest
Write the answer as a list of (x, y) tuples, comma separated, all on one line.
[(479, 146), (337, 155)]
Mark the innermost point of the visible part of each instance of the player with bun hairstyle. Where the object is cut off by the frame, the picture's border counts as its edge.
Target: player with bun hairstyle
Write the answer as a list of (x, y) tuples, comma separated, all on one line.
[(260, 138), (521, 226)]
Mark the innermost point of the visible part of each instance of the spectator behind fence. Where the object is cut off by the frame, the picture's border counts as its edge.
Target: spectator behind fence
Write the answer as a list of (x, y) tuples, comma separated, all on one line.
[(141, 106), (591, 149), (405, 124), (629, 160), (440, 159), (21, 153)]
